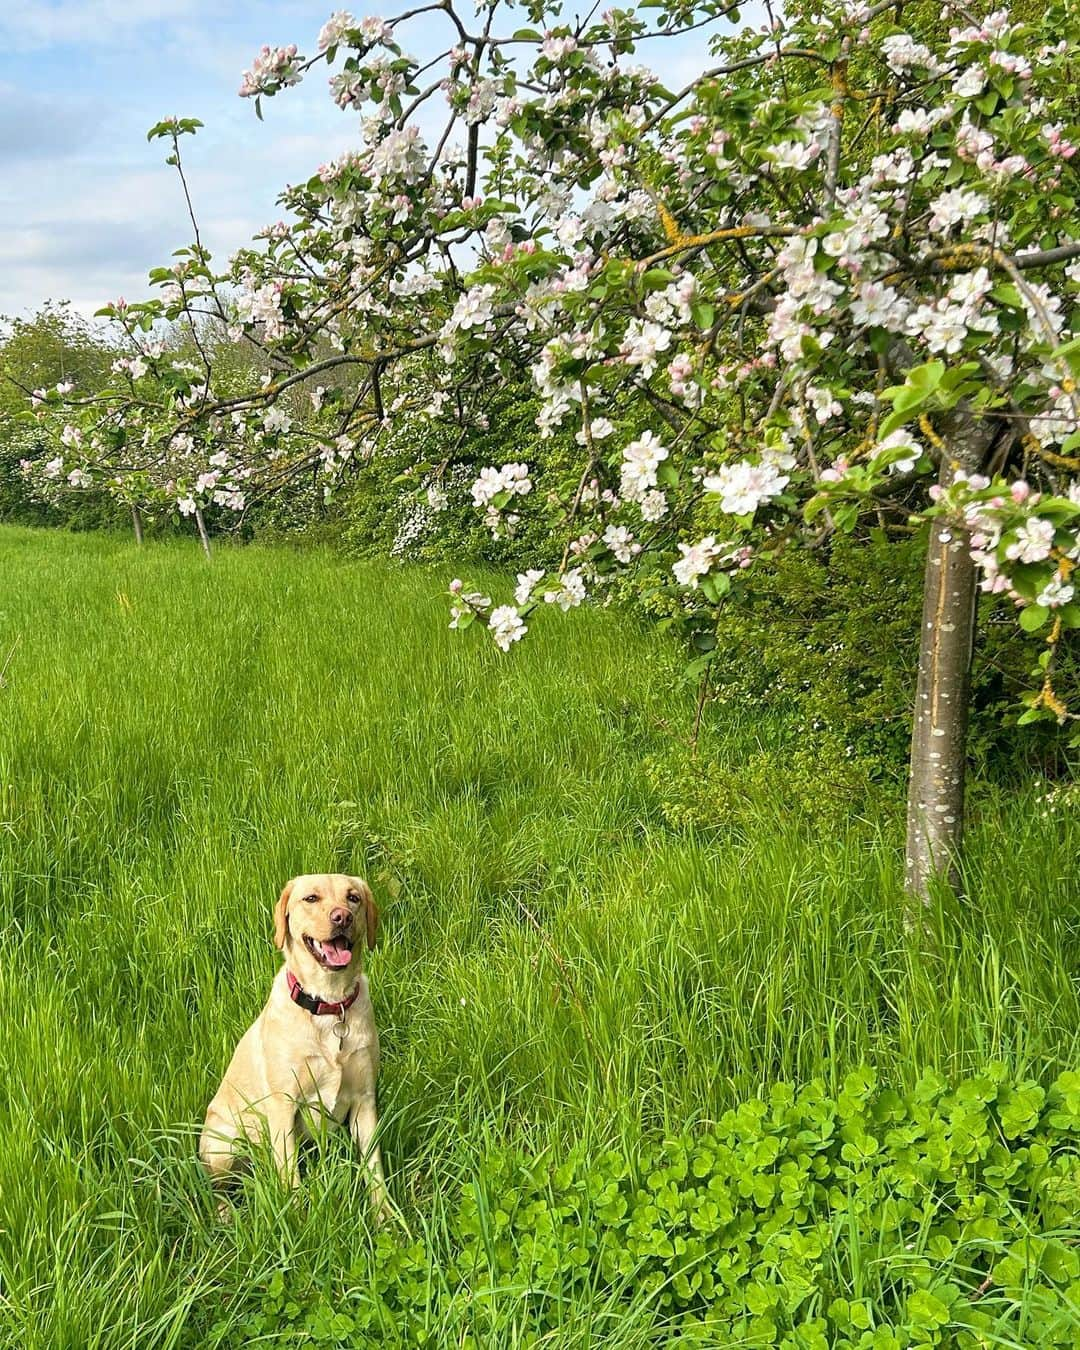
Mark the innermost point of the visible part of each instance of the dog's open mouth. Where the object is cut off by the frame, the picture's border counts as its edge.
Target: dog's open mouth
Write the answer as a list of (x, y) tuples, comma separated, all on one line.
[(334, 953)]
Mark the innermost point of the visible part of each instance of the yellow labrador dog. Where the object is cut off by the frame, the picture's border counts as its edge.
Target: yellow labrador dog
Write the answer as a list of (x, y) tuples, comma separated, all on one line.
[(313, 1051)]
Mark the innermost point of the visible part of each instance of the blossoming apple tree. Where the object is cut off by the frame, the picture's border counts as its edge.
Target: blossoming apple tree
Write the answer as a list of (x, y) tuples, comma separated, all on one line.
[(833, 275)]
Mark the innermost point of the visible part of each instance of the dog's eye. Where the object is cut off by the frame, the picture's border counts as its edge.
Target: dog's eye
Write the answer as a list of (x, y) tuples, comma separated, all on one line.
[(353, 898), (310, 899)]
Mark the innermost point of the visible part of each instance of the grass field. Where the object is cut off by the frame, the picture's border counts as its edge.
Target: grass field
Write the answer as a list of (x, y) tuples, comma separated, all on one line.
[(556, 964)]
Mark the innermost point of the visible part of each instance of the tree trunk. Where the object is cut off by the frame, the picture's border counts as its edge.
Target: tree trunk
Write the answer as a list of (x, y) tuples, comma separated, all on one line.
[(136, 522), (935, 805), (204, 538), (935, 809)]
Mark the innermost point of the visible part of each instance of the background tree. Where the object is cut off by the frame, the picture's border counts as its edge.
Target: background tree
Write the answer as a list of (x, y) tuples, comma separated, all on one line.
[(56, 346)]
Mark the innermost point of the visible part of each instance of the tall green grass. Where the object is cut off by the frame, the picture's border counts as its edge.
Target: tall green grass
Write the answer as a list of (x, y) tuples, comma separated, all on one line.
[(556, 964)]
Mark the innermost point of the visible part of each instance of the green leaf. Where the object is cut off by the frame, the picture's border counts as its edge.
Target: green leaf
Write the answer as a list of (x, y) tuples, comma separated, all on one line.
[(846, 516), (1033, 617), (926, 1311), (926, 377), (893, 422), (1070, 443), (656, 278), (907, 400), (667, 474), (1020, 1112), (1006, 294), (954, 173), (708, 589), (703, 314), (815, 506)]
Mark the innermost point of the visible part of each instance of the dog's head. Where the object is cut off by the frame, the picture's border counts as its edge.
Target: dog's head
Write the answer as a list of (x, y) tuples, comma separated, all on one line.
[(326, 916)]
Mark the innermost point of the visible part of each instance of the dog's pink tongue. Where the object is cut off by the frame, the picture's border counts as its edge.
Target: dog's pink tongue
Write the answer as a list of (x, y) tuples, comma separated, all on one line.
[(336, 955)]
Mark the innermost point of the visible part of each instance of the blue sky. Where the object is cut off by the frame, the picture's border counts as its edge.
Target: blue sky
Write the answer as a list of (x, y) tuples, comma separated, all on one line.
[(87, 205)]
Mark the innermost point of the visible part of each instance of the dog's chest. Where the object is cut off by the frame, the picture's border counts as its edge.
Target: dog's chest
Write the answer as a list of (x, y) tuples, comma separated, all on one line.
[(340, 1070)]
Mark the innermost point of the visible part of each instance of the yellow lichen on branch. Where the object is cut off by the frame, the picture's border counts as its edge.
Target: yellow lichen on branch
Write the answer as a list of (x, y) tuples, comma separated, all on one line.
[(681, 242), (1033, 447), (926, 427), (1046, 697), (671, 225), (840, 88)]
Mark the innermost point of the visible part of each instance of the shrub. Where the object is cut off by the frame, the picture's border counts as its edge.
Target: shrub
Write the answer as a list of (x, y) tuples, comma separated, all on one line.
[(947, 1217), (87, 510), (823, 647), (383, 509)]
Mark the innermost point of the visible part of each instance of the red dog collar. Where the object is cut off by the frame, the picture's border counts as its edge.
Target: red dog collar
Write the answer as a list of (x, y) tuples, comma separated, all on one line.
[(316, 1005)]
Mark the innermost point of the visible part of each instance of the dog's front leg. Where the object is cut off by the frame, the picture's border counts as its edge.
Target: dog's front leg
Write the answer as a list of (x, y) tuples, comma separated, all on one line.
[(280, 1115), (363, 1123)]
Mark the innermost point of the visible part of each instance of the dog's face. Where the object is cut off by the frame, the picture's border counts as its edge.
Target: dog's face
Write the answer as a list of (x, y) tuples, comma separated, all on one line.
[(326, 917)]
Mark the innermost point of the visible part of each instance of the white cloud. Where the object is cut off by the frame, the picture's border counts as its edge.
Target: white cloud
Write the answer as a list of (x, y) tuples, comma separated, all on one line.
[(46, 23)]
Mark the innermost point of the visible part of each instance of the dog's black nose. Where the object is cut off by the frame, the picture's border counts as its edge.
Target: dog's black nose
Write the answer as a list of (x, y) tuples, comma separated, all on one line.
[(342, 917)]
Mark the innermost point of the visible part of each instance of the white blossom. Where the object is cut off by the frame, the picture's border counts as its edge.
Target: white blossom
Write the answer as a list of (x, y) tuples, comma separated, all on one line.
[(570, 593), (902, 53), (901, 440), (473, 309), (511, 478), (526, 584), (599, 430), (696, 561), (621, 542), (955, 207), (1055, 593), (743, 486), (653, 505), (642, 344), (641, 459), (823, 402), (1034, 540), (507, 626), (335, 29)]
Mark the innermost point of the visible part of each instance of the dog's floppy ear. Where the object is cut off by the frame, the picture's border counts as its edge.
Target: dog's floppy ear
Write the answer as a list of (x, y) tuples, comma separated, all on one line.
[(371, 912), (281, 916)]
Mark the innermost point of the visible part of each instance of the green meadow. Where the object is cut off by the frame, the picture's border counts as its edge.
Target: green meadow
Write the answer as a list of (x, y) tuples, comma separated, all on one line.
[(560, 970)]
